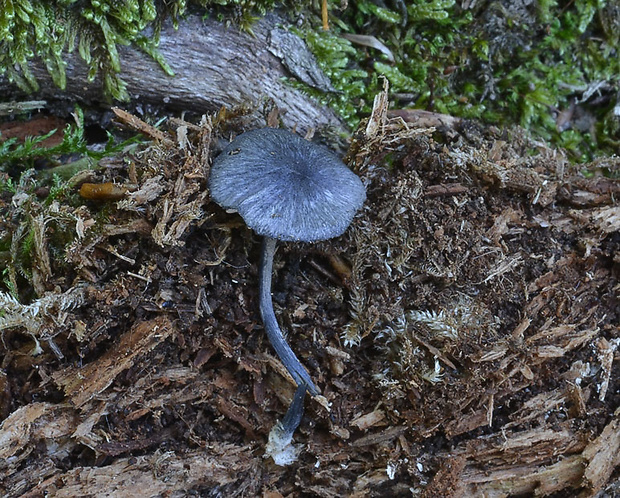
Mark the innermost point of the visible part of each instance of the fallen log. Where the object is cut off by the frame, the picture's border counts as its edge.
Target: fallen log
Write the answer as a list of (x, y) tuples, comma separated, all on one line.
[(214, 66)]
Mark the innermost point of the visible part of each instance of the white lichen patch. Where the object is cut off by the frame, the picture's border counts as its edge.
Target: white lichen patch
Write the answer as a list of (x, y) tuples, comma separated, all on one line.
[(43, 318)]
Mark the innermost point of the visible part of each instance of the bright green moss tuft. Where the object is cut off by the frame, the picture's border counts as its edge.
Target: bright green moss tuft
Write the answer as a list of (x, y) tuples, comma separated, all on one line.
[(504, 63), (49, 29)]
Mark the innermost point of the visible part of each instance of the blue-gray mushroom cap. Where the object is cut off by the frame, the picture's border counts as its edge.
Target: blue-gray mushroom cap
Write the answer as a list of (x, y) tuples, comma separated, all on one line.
[(285, 187)]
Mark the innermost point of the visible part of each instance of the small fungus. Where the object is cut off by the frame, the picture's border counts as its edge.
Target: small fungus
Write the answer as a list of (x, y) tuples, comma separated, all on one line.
[(285, 188)]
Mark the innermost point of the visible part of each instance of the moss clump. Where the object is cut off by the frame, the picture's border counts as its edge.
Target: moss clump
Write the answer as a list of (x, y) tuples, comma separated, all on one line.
[(548, 67), (22, 156), (552, 68), (39, 208)]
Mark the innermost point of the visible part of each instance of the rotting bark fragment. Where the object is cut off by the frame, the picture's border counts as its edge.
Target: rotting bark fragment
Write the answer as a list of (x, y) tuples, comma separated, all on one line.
[(82, 384)]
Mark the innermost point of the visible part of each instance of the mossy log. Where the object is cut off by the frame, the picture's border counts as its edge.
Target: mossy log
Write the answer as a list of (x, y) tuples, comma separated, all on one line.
[(214, 66)]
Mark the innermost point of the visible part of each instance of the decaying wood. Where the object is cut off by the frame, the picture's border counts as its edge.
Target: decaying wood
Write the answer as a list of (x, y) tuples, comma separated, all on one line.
[(162, 473), (8, 108), (465, 339), (420, 118), (139, 125), (81, 385), (487, 467), (602, 456), (214, 66)]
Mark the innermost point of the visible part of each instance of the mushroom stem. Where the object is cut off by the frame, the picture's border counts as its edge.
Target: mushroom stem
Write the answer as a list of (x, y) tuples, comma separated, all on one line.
[(295, 412), (283, 350)]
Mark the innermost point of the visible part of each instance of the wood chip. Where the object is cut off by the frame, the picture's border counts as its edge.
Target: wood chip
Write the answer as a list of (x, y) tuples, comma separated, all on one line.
[(603, 455), (82, 384), (140, 126), (159, 474), (368, 420)]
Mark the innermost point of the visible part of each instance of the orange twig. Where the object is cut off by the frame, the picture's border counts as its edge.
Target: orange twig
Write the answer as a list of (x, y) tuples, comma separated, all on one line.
[(324, 15)]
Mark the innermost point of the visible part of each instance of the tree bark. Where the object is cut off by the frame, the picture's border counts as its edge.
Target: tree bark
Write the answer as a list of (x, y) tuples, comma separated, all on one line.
[(214, 66)]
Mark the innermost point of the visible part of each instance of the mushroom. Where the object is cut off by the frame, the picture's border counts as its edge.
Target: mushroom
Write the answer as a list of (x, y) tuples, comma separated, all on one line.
[(289, 189)]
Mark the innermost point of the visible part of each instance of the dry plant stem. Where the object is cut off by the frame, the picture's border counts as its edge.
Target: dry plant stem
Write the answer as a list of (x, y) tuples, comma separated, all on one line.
[(284, 351)]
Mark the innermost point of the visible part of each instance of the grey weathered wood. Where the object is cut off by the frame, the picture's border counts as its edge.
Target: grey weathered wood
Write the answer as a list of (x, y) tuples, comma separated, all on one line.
[(214, 65)]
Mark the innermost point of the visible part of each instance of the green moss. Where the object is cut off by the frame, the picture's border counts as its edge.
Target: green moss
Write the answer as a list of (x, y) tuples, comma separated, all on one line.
[(418, 46), (335, 57), (49, 29), (7, 185), (9, 286), (501, 63), (73, 143), (436, 9), (399, 82), (59, 189), (21, 249)]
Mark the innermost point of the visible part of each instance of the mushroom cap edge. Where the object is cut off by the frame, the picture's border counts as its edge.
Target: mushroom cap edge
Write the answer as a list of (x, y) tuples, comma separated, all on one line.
[(285, 187)]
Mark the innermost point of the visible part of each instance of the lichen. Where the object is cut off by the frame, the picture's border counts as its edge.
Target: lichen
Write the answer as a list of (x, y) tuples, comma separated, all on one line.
[(418, 343)]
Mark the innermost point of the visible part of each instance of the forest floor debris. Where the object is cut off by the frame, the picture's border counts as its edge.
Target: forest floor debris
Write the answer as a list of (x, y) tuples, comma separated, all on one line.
[(464, 330)]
